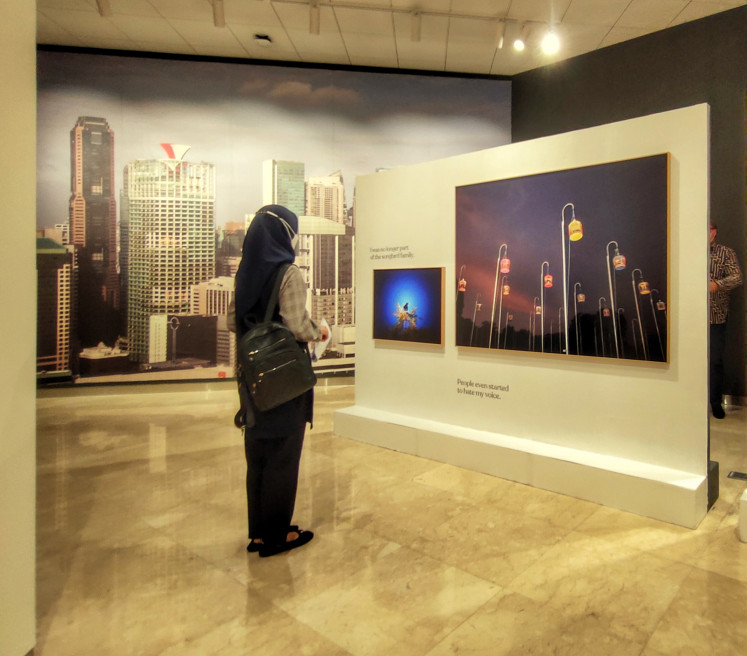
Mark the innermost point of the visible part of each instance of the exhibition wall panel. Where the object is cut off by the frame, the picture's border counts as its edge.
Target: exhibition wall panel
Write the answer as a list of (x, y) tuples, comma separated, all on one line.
[(530, 416)]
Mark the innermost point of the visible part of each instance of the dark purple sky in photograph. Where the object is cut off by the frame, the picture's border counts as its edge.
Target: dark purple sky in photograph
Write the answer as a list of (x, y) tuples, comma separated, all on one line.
[(622, 201)]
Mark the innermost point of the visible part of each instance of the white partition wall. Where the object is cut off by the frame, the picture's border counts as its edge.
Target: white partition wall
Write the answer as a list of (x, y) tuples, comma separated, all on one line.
[(628, 434)]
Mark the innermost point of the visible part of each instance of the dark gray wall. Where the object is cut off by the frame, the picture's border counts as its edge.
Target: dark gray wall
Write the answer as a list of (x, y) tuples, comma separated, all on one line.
[(697, 62)]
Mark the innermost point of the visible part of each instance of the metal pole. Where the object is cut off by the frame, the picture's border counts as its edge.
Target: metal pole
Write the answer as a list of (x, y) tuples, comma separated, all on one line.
[(474, 318), (542, 303), (495, 288), (612, 296), (656, 323), (575, 314), (500, 311), (565, 278), (638, 313)]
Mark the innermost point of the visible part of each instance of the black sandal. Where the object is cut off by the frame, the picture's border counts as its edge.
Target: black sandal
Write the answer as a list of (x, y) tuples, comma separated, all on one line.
[(253, 546), (304, 537)]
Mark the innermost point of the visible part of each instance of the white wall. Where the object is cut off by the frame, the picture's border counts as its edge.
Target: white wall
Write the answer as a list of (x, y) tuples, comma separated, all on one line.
[(17, 329), (648, 421)]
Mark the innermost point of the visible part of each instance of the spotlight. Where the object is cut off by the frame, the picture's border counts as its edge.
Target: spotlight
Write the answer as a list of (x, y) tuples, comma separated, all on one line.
[(550, 43), (521, 40), (500, 34)]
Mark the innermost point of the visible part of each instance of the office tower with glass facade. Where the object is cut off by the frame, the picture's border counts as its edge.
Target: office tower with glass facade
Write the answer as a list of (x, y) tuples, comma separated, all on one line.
[(283, 184), (171, 220), (93, 229)]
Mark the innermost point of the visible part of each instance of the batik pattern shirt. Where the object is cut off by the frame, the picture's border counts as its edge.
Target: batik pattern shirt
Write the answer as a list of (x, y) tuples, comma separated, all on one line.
[(726, 274)]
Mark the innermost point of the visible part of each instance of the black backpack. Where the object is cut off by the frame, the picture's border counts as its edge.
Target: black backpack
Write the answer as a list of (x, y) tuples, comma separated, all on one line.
[(275, 368)]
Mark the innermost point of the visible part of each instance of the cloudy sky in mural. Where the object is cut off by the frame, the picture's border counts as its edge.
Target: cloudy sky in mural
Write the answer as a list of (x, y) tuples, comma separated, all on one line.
[(237, 116)]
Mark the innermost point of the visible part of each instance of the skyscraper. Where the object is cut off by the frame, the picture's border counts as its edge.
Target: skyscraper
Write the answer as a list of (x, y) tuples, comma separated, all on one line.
[(325, 257), (211, 299), (283, 184), (171, 218), (325, 249), (325, 196), (55, 270), (93, 229), (228, 245)]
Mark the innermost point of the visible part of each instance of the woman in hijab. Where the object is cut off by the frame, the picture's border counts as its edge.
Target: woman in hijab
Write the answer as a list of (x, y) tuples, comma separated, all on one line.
[(273, 439)]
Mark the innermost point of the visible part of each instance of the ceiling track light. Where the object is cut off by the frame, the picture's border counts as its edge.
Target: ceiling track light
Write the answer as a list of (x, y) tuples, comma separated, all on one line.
[(550, 42), (219, 15), (500, 34), (104, 8), (520, 43), (314, 18), (415, 26)]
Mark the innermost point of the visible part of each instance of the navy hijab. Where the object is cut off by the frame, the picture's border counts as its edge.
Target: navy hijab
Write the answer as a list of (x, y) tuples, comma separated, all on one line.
[(267, 245)]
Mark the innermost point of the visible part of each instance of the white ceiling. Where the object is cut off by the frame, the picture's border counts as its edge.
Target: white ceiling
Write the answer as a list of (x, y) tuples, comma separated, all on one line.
[(457, 36)]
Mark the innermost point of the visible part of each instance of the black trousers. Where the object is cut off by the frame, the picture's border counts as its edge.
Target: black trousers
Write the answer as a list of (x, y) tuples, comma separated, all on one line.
[(271, 483), (716, 363)]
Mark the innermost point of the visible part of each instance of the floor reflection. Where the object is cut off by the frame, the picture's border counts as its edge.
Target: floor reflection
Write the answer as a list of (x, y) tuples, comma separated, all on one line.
[(141, 548)]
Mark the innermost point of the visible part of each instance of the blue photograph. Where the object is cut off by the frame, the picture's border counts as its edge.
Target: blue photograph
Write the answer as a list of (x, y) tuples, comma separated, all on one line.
[(408, 305)]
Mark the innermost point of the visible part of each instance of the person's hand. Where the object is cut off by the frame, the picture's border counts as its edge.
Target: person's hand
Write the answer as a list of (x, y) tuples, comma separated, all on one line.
[(325, 334), (713, 286)]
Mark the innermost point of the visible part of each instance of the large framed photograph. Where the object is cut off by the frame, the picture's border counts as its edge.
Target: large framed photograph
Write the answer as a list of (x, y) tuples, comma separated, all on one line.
[(408, 305), (571, 262)]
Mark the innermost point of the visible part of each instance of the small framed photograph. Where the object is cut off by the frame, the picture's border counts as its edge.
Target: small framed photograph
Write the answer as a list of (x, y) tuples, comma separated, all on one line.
[(408, 305)]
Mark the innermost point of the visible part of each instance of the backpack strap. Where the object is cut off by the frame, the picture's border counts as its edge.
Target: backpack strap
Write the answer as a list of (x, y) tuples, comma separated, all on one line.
[(272, 303)]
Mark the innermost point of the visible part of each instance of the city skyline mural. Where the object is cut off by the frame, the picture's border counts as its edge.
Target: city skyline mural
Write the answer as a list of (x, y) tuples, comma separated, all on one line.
[(149, 170), (569, 262)]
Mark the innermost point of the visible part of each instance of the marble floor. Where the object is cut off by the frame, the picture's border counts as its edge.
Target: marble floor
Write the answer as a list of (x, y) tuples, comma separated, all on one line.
[(141, 548)]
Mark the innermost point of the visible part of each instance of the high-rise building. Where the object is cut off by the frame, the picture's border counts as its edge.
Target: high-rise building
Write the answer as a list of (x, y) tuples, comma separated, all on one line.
[(228, 244), (64, 229), (93, 229), (55, 307), (60, 233), (325, 197), (227, 266), (326, 244), (283, 184), (325, 256), (212, 299), (171, 218), (124, 255)]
